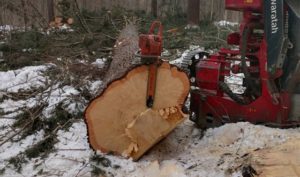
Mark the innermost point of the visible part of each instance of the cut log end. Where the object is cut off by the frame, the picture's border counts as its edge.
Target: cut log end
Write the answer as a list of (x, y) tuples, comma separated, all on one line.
[(119, 120)]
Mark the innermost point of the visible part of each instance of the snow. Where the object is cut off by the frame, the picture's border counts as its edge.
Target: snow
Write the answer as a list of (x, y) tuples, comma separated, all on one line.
[(62, 28), (100, 62), (26, 78), (168, 168), (33, 77), (223, 23), (186, 152), (6, 28), (200, 156), (72, 151), (94, 87), (60, 95), (9, 150), (182, 153)]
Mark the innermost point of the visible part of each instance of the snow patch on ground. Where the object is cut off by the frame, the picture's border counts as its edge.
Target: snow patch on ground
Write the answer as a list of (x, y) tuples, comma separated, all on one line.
[(6, 28), (206, 156), (26, 78), (72, 153), (9, 149), (70, 158), (94, 86), (168, 168), (189, 152), (65, 95), (33, 77), (223, 23), (62, 162), (100, 62)]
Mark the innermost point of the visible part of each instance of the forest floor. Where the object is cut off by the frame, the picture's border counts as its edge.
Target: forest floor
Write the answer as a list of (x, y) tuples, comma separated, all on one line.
[(48, 78), (187, 151)]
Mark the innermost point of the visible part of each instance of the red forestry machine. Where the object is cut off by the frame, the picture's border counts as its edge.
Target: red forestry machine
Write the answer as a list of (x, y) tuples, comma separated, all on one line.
[(137, 110), (268, 56)]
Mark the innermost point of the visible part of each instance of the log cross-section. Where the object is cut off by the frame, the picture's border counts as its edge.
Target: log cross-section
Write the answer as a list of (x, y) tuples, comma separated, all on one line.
[(119, 121)]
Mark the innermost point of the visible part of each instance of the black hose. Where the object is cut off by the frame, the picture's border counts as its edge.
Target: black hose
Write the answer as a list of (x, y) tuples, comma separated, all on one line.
[(250, 85)]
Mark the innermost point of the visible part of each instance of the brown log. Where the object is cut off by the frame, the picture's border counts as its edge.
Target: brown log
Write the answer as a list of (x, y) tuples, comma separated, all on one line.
[(58, 20), (123, 54), (119, 120), (70, 21)]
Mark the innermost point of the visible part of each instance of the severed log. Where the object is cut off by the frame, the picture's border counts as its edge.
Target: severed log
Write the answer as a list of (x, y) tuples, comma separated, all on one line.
[(120, 122), (278, 161), (123, 55)]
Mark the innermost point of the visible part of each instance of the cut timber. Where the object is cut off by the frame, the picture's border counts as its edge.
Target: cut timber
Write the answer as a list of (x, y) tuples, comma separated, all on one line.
[(119, 120), (70, 21), (278, 161), (58, 20), (123, 58)]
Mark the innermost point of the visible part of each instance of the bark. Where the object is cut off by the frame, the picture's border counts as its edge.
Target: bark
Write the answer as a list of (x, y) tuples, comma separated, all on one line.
[(277, 161), (123, 53)]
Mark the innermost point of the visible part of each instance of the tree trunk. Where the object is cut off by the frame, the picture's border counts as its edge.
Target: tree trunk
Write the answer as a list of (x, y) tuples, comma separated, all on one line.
[(50, 6), (193, 12), (123, 54), (1, 13), (25, 13), (211, 10), (154, 8), (120, 122)]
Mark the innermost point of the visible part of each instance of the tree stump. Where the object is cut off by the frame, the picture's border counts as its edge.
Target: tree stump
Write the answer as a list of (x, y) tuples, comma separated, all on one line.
[(119, 121)]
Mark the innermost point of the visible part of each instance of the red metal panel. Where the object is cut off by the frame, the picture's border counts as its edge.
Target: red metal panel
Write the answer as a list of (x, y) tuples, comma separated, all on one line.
[(271, 105), (208, 74), (248, 5)]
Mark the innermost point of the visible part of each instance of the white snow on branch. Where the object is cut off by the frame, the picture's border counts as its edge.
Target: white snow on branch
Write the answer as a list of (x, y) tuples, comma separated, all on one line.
[(226, 23)]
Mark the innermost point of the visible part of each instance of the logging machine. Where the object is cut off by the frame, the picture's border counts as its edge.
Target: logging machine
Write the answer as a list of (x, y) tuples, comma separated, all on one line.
[(137, 110), (267, 57)]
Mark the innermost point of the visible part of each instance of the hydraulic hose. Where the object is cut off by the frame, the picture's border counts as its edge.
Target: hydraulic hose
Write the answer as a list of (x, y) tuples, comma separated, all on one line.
[(249, 82)]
